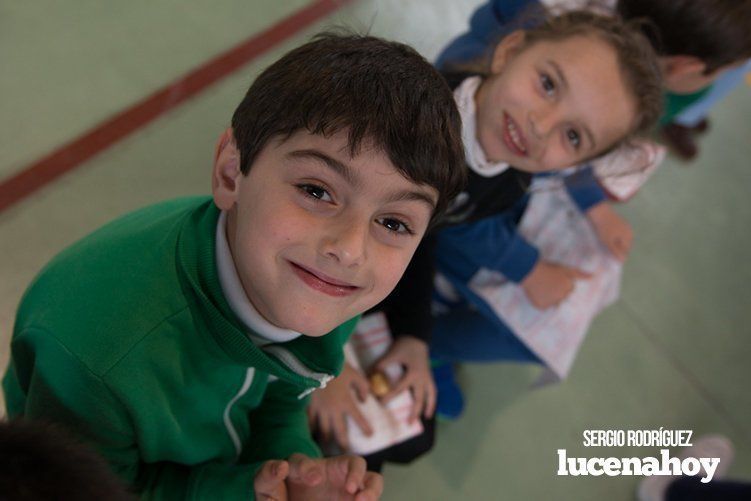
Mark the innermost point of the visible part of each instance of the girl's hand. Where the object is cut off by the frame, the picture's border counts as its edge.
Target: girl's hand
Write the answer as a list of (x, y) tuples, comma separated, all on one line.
[(412, 354), (612, 230), (330, 406), (548, 284)]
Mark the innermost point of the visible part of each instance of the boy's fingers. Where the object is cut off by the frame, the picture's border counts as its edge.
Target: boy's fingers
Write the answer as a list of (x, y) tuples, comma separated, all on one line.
[(372, 487), (356, 469), (305, 470), (269, 481)]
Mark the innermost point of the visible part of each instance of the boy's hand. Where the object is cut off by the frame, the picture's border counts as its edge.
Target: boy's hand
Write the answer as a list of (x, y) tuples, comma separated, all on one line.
[(548, 284), (269, 482), (304, 478), (412, 354), (330, 406), (612, 230), (336, 478)]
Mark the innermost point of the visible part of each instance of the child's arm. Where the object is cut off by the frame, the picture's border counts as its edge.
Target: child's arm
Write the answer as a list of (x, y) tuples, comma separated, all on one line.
[(584, 189), (330, 406), (612, 230), (494, 243)]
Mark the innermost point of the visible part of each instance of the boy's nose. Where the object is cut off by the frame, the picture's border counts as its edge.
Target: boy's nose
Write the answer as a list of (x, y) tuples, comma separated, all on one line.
[(346, 242)]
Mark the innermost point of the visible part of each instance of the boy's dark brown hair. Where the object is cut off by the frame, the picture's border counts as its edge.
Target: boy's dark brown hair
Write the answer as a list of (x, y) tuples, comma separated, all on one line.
[(718, 32), (383, 93), (41, 461)]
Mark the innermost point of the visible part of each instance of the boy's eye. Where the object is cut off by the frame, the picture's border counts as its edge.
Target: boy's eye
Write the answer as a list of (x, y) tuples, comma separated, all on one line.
[(395, 226), (315, 191), (573, 138), (548, 85)]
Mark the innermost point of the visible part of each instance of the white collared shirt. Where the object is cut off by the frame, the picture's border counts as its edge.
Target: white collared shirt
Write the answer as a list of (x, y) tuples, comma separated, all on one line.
[(464, 95), (262, 332)]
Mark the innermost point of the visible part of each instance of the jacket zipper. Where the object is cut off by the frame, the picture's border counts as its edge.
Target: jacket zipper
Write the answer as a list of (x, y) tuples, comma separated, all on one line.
[(227, 421), (299, 368)]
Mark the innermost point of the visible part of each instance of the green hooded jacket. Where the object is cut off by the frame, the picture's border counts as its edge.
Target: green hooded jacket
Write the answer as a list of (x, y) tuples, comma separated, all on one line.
[(126, 339)]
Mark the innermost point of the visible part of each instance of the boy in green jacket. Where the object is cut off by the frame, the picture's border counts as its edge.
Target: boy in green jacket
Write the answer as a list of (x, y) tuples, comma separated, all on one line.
[(182, 339)]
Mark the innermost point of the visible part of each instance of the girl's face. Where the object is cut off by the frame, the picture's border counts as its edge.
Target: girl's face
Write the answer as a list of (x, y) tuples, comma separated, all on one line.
[(552, 104)]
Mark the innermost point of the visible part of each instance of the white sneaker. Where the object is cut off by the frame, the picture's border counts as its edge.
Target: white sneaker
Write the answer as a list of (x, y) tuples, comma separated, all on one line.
[(708, 446)]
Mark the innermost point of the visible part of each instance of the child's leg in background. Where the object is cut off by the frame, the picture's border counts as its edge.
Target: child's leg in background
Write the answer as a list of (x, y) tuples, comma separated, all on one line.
[(680, 134), (466, 335)]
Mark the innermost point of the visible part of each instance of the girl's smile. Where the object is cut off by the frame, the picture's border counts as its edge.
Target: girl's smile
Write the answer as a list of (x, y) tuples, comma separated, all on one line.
[(513, 137), (552, 104)]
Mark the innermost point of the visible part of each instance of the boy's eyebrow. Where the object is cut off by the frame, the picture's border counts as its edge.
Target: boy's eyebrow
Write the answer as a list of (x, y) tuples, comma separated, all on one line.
[(408, 195), (353, 179), (342, 169)]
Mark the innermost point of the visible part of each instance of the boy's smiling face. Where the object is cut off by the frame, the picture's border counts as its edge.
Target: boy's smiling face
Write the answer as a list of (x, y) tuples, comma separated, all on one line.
[(317, 236)]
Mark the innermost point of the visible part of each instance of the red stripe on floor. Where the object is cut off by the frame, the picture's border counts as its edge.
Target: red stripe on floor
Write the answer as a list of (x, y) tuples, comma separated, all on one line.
[(73, 154)]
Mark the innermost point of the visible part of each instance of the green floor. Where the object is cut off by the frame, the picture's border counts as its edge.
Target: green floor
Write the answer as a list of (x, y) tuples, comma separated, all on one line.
[(671, 353)]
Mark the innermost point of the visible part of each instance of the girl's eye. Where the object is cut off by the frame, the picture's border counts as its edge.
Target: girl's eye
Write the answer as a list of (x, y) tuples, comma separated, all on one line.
[(395, 226), (315, 191), (573, 138), (548, 85)]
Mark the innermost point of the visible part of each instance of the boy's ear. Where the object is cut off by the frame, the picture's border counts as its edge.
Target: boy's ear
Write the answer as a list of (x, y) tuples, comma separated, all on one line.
[(676, 68), (226, 173), (505, 50)]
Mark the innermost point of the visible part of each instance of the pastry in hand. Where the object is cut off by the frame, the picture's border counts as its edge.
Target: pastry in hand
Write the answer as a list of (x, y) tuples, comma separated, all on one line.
[(379, 384)]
